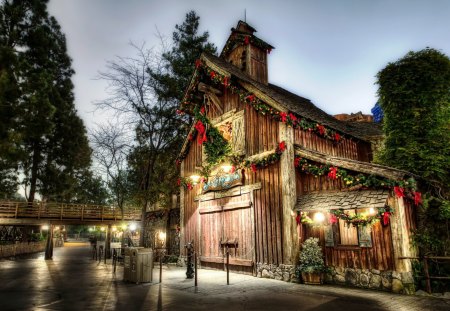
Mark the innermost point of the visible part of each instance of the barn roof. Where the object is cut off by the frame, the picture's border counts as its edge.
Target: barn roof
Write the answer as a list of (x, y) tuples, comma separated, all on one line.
[(342, 200), (302, 106)]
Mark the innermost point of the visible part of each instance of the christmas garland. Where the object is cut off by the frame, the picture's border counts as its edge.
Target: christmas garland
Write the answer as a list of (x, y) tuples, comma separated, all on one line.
[(261, 107), (356, 220), (362, 220), (369, 181), (241, 39), (268, 160)]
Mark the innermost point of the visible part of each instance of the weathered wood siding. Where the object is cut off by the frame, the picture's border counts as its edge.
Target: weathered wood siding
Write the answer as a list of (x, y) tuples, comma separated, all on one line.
[(258, 65), (346, 148), (261, 135)]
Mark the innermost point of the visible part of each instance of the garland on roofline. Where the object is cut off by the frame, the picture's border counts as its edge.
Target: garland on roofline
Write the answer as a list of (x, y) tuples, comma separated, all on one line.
[(402, 188), (241, 39), (357, 220), (261, 107)]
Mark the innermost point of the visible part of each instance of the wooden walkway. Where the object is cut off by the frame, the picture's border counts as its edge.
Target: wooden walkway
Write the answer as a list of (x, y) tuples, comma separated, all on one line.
[(79, 213)]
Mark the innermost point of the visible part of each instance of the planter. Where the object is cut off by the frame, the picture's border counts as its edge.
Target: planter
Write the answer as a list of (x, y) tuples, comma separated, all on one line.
[(312, 278)]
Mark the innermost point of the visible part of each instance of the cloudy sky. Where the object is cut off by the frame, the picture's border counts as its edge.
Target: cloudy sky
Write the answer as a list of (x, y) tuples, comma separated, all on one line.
[(326, 50)]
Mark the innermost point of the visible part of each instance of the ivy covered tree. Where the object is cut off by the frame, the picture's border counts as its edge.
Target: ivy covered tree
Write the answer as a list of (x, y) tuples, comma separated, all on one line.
[(50, 144), (415, 97)]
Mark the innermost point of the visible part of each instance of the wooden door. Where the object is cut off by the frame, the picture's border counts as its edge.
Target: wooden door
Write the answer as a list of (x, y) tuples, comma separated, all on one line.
[(227, 223)]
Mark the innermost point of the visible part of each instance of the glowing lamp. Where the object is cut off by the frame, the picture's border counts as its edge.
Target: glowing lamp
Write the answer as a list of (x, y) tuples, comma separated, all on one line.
[(45, 227), (195, 179), (319, 217), (102, 228), (133, 226), (162, 235), (372, 211), (114, 229), (124, 226)]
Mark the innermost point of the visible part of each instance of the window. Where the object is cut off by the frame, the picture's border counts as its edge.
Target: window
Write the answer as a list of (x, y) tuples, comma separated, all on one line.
[(344, 235), (348, 234)]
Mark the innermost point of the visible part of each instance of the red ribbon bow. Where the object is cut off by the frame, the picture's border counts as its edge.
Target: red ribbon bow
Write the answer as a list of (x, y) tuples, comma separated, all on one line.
[(201, 138)]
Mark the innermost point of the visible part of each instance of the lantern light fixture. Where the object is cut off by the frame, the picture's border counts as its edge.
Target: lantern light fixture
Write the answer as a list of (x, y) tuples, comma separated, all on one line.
[(319, 217), (226, 168), (195, 179)]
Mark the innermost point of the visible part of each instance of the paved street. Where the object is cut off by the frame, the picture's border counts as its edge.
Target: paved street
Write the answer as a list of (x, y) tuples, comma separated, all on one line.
[(72, 281)]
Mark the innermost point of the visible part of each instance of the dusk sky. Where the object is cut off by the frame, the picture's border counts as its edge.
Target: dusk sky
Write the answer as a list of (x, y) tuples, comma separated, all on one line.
[(327, 51)]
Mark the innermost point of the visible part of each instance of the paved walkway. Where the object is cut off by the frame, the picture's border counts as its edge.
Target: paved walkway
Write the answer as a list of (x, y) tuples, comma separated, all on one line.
[(72, 281)]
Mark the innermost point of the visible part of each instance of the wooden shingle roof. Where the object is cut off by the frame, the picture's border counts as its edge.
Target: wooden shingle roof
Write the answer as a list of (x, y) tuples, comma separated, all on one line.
[(342, 200), (292, 102)]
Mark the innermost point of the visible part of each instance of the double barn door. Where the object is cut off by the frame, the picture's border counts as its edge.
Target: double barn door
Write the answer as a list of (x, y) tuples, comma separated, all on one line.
[(227, 225)]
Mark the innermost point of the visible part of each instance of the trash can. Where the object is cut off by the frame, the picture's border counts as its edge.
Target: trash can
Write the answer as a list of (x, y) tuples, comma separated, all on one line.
[(138, 265)]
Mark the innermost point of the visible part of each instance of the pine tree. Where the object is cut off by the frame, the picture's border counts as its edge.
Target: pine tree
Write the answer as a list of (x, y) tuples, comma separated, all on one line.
[(53, 144)]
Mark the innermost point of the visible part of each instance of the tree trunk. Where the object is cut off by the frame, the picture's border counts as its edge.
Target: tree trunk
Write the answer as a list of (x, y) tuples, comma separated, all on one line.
[(34, 173)]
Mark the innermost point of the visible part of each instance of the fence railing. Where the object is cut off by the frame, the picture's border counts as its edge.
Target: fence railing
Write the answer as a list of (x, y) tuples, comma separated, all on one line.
[(426, 272), (65, 211)]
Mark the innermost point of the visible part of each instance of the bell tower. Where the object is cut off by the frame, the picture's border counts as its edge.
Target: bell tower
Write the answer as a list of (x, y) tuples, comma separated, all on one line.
[(247, 52)]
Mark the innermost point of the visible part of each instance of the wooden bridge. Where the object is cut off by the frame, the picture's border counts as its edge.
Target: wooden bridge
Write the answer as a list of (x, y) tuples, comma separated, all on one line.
[(37, 213)]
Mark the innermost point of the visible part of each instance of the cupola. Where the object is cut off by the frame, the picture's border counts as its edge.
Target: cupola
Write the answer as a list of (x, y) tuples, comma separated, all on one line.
[(247, 52)]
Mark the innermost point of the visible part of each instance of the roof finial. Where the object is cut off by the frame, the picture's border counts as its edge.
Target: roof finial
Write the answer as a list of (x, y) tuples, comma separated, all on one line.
[(245, 15)]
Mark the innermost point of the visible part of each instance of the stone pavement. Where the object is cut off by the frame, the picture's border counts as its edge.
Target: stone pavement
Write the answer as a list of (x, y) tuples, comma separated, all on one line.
[(72, 281)]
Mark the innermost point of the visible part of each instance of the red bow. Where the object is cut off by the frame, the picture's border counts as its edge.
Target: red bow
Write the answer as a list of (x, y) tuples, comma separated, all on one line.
[(297, 162), (247, 40), (198, 63), (337, 137), (282, 146), (386, 216), (253, 167), (417, 198), (201, 132), (250, 98), (332, 173), (212, 74), (298, 219), (283, 116), (399, 192), (292, 117), (321, 129), (333, 219), (225, 82)]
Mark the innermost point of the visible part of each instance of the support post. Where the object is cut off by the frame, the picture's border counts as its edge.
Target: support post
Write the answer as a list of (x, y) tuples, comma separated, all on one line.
[(427, 275), (108, 243), (289, 196), (195, 267), (49, 245), (228, 266)]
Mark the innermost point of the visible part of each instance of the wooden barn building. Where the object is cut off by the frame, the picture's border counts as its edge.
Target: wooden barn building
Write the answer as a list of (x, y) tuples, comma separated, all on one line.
[(263, 169)]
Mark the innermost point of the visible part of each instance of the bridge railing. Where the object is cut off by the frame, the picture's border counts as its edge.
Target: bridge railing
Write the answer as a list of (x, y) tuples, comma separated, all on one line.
[(66, 211)]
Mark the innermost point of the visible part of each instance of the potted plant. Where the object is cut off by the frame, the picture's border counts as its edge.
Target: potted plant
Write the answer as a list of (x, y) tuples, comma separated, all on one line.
[(311, 263)]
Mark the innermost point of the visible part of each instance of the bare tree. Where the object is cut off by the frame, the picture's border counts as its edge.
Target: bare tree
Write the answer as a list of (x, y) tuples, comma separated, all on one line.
[(111, 148), (133, 97)]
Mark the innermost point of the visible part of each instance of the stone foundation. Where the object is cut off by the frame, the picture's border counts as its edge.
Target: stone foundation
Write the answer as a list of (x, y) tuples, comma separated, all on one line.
[(391, 281), (11, 250), (282, 272), (372, 279)]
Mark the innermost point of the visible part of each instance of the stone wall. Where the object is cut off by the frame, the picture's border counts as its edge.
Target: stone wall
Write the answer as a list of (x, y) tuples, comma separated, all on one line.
[(371, 279), (10, 250), (282, 272)]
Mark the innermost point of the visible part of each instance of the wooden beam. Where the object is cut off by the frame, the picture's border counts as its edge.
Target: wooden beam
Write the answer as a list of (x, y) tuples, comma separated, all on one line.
[(290, 238)]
